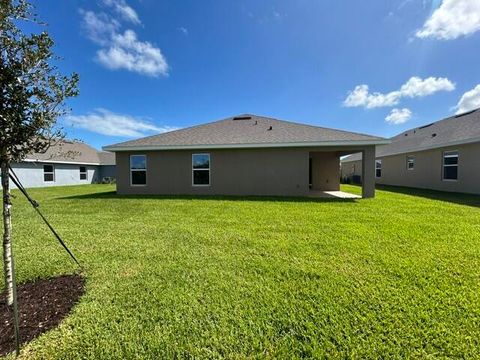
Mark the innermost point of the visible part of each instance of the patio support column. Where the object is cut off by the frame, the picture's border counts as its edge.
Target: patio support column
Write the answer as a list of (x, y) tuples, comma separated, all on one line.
[(368, 172)]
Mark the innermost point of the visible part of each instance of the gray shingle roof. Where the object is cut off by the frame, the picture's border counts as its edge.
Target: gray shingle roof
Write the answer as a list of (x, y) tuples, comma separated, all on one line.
[(106, 158), (251, 131), (73, 152), (354, 157), (455, 130)]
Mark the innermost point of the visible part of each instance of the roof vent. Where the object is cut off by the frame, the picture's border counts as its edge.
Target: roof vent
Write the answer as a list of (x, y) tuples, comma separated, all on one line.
[(425, 126), (242, 118), (466, 113), (270, 128)]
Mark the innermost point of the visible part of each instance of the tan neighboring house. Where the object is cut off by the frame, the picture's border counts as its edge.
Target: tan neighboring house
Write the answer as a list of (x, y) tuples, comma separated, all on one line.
[(351, 169), (242, 155), (65, 163), (444, 155)]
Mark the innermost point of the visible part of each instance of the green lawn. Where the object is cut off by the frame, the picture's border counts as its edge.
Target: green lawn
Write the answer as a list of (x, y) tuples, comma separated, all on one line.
[(393, 277)]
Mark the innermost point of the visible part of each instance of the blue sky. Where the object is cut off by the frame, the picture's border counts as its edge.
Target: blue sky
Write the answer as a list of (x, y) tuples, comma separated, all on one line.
[(148, 66)]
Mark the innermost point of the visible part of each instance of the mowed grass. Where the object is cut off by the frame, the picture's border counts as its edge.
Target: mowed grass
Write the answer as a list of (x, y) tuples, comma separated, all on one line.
[(176, 277)]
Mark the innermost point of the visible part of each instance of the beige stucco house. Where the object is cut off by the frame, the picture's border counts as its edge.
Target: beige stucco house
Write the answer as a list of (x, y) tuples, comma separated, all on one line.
[(242, 155), (444, 155)]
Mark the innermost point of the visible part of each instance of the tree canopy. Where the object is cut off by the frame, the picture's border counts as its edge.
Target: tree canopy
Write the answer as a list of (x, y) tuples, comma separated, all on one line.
[(33, 91)]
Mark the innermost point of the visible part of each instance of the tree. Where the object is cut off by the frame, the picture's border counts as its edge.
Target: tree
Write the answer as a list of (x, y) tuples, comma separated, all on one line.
[(32, 98)]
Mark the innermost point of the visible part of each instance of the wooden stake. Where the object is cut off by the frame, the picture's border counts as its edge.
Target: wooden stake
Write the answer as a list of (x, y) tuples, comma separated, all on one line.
[(8, 263)]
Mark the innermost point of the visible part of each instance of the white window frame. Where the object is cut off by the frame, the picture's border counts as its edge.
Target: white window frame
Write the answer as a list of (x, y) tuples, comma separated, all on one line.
[(412, 159), (132, 170), (83, 172), (445, 154), (209, 168), (49, 172), (378, 161)]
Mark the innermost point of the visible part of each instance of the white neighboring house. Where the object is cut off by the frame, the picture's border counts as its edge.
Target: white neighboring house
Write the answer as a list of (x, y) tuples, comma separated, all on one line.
[(66, 163)]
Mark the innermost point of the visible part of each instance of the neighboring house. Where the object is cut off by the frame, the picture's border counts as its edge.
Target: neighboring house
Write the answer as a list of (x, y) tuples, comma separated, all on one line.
[(242, 155), (444, 155), (66, 163), (351, 168), (107, 167)]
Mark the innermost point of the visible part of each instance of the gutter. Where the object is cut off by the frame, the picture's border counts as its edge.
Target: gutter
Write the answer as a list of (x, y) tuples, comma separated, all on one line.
[(245, 146), (424, 148), (432, 147), (59, 162)]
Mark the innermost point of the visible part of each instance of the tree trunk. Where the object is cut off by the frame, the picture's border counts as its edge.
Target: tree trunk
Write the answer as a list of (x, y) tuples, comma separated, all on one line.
[(7, 234)]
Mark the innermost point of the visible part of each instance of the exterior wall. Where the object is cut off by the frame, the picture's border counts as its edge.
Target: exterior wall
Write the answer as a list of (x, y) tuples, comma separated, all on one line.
[(31, 174), (275, 171), (325, 171), (428, 169), (232, 172), (107, 171)]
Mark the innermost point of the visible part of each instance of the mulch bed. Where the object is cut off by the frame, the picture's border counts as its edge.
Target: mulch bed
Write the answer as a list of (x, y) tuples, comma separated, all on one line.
[(43, 304)]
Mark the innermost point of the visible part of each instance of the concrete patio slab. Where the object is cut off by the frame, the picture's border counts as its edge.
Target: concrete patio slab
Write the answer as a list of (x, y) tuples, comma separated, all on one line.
[(333, 195)]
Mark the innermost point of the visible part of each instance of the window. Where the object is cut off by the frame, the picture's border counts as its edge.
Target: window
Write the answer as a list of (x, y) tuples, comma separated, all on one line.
[(410, 162), (48, 173), (450, 165), (201, 169), (83, 173), (378, 168), (138, 170)]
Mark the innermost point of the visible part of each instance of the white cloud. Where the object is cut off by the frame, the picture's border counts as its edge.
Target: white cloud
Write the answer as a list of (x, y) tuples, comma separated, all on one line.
[(183, 30), (105, 122), (126, 52), (469, 101), (454, 18), (414, 87), (124, 10), (122, 50), (99, 27), (361, 96), (399, 116)]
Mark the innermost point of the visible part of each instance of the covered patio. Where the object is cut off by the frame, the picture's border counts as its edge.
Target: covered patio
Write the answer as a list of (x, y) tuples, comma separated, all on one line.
[(324, 171)]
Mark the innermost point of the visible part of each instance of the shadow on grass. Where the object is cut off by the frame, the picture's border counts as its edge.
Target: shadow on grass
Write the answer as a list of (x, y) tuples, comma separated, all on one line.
[(113, 195), (456, 198)]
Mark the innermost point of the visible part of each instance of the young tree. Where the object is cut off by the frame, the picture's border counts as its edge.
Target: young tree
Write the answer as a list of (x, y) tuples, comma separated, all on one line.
[(32, 97)]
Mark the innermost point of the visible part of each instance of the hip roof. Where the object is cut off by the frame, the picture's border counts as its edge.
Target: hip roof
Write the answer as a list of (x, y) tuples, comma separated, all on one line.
[(247, 131)]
